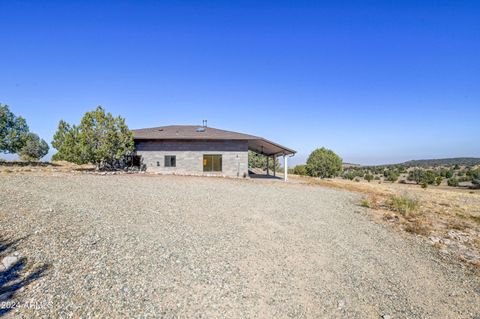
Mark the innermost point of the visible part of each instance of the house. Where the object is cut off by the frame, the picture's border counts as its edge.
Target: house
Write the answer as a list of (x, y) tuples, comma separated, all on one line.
[(201, 150)]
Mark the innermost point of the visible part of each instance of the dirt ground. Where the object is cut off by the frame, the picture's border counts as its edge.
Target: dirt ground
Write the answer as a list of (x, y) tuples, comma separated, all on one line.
[(448, 217), (147, 246)]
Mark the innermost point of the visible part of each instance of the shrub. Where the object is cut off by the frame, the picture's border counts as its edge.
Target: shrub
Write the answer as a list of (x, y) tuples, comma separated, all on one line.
[(392, 176), (403, 204), (100, 139), (300, 170), (365, 203), (324, 163), (13, 131), (368, 177), (438, 180), (256, 160), (349, 175), (421, 175), (453, 182), (424, 184), (34, 148)]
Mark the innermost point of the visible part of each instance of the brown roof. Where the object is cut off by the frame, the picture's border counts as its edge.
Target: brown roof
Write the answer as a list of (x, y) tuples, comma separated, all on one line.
[(196, 132)]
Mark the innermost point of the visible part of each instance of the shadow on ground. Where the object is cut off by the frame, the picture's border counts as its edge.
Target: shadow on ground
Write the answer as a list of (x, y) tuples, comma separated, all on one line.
[(18, 274)]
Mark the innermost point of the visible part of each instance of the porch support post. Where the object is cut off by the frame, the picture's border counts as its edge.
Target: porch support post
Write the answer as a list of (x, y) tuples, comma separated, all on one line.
[(285, 164), (274, 165), (268, 157)]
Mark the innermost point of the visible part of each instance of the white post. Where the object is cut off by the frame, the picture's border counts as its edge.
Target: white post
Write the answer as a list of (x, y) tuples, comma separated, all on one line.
[(285, 164)]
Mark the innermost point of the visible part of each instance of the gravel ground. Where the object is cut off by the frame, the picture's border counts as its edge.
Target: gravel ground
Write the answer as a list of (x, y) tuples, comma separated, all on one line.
[(169, 246)]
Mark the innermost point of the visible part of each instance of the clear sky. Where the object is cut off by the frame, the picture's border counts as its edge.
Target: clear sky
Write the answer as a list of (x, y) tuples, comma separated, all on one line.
[(376, 81)]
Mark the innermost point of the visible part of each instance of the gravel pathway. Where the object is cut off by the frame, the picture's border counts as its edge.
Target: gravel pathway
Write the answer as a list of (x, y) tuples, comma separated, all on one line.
[(170, 246)]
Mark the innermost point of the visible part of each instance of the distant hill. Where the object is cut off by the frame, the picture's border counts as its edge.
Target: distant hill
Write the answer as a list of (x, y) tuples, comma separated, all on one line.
[(461, 161), (348, 165)]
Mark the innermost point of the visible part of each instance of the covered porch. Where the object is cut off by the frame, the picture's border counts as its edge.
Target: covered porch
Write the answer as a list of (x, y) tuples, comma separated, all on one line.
[(271, 151)]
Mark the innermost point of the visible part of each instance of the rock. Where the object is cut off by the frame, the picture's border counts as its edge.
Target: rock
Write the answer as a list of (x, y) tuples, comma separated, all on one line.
[(434, 240), (341, 305), (386, 317), (9, 261), (393, 218), (459, 236)]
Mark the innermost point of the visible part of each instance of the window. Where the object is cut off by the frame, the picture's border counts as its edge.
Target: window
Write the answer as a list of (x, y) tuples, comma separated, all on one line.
[(212, 163), (170, 161), (158, 163)]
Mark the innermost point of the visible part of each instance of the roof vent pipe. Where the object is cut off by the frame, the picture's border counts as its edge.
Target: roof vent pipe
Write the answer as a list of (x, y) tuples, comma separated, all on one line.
[(204, 123)]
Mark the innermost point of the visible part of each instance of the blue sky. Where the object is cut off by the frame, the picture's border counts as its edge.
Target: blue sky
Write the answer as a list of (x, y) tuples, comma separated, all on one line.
[(376, 81)]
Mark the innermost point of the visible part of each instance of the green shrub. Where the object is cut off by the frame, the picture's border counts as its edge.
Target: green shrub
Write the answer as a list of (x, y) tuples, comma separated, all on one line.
[(34, 148), (438, 180), (300, 170), (365, 203), (349, 175), (424, 184), (420, 175), (324, 163), (13, 131), (368, 177), (100, 139), (392, 176), (256, 160), (403, 204), (453, 182)]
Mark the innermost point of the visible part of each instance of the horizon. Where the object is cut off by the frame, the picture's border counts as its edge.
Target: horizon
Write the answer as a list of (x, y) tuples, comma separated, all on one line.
[(376, 83)]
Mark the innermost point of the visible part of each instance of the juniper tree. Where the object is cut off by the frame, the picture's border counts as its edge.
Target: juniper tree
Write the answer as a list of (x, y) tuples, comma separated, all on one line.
[(13, 131), (100, 139), (324, 163), (34, 148)]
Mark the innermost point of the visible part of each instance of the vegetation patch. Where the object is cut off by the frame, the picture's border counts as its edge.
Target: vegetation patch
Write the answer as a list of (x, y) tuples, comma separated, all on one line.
[(365, 203), (419, 226), (403, 204)]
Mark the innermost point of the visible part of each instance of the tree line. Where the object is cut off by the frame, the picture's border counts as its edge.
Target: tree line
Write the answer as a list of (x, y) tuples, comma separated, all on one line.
[(100, 139), (105, 141)]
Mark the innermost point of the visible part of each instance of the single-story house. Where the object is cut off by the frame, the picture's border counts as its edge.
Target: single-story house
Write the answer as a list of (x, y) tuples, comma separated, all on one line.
[(201, 150)]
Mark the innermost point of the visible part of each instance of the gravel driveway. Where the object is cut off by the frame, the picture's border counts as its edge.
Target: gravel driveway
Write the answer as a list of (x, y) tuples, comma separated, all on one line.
[(169, 246)]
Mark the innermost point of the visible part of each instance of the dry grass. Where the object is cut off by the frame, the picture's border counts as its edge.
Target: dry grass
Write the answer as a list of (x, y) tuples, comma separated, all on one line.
[(44, 167), (403, 204)]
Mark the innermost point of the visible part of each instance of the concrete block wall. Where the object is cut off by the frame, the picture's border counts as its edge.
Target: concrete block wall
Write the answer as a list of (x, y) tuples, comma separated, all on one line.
[(189, 156)]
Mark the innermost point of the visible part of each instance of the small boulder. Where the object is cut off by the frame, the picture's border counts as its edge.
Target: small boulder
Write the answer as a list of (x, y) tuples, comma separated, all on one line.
[(9, 261)]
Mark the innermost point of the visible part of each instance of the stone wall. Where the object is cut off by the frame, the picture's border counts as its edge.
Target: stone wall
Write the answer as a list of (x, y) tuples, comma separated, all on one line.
[(189, 156)]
